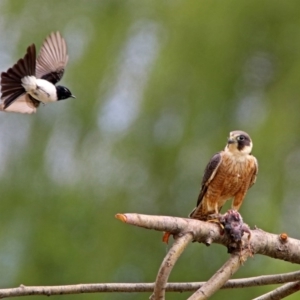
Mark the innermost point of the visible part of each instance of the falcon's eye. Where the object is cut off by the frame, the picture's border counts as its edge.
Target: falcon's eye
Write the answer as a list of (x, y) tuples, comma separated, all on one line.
[(241, 138)]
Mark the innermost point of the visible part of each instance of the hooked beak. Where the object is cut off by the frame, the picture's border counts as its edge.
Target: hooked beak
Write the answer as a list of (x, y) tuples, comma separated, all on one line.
[(230, 141)]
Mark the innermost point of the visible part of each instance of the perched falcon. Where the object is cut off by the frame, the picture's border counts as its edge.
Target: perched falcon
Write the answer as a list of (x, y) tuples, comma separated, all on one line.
[(32, 80), (229, 174)]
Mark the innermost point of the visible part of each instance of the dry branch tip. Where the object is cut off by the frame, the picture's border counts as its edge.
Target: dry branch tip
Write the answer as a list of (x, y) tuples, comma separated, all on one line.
[(166, 237), (121, 217)]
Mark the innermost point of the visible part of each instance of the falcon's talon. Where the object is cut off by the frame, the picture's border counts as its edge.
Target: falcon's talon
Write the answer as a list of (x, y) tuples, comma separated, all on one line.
[(217, 221)]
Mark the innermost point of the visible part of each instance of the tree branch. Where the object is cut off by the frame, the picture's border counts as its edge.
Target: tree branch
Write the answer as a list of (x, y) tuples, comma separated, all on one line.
[(281, 292), (167, 265), (143, 287), (221, 276), (185, 230), (272, 245)]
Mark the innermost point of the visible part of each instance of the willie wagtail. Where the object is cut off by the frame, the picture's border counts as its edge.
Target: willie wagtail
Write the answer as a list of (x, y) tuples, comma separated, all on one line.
[(32, 80)]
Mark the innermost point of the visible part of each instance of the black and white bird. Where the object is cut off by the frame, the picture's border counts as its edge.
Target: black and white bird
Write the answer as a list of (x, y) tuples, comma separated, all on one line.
[(32, 80)]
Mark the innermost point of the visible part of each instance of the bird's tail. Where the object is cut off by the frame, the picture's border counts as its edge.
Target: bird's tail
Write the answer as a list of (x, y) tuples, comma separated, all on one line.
[(11, 81), (196, 213)]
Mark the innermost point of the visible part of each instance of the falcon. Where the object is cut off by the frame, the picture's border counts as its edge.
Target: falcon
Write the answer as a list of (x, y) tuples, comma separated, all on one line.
[(32, 80), (228, 175)]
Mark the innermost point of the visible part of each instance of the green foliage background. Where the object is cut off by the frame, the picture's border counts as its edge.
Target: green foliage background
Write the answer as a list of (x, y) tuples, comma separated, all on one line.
[(158, 85)]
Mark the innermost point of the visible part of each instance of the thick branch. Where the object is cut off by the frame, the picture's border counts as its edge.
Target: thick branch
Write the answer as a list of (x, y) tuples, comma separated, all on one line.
[(272, 245)]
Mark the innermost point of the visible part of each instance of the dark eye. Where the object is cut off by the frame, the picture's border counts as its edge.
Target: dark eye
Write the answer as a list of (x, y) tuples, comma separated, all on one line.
[(241, 138)]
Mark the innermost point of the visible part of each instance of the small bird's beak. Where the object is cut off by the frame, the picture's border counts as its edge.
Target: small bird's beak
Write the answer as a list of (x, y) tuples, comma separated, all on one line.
[(72, 96), (230, 141)]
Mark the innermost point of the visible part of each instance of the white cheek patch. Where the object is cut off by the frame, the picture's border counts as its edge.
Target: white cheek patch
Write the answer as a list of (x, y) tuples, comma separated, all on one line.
[(232, 148), (247, 149)]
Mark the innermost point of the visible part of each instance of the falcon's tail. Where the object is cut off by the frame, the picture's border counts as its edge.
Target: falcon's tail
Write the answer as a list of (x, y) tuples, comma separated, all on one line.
[(196, 213), (11, 81), (200, 214)]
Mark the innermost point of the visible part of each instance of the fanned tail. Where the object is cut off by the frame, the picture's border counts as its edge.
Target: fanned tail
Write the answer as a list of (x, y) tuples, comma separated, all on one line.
[(11, 84)]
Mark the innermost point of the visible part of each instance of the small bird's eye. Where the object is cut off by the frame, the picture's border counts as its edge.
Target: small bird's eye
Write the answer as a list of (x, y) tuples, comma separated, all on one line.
[(240, 138)]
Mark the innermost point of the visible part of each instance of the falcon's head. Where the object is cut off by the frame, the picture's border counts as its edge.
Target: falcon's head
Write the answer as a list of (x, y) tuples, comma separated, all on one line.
[(239, 142)]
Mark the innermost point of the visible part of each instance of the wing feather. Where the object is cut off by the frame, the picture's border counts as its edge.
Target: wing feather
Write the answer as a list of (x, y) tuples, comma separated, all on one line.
[(23, 104), (52, 59), (209, 174), (11, 84), (254, 175)]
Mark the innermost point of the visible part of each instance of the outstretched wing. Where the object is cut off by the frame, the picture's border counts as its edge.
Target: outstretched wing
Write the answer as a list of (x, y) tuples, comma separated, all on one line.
[(209, 174), (11, 84), (52, 59), (24, 104)]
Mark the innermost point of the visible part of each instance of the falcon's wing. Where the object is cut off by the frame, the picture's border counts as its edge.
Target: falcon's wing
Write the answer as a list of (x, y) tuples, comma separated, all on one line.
[(11, 84), (24, 104), (209, 174), (254, 175), (52, 59)]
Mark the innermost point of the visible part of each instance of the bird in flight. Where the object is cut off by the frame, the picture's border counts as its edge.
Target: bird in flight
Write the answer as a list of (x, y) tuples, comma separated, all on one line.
[(32, 80), (229, 174)]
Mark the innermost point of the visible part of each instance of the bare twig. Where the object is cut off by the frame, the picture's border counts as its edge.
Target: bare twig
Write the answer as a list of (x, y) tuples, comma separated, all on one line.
[(281, 292), (262, 242), (143, 287), (221, 276), (262, 280), (167, 265)]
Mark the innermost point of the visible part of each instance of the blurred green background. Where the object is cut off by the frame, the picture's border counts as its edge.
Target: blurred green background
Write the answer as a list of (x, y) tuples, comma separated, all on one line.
[(158, 85)]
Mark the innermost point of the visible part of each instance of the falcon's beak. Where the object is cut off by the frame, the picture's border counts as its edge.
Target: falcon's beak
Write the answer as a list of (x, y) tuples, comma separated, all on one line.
[(230, 141)]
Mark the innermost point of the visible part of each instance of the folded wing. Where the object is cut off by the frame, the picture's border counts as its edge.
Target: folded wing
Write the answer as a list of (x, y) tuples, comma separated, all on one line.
[(209, 174)]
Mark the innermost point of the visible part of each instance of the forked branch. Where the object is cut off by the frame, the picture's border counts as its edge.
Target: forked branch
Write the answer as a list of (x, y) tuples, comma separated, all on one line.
[(278, 246), (185, 230)]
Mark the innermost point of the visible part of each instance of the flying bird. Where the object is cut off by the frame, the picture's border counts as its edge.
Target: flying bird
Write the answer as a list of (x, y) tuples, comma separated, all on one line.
[(229, 174), (32, 81)]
